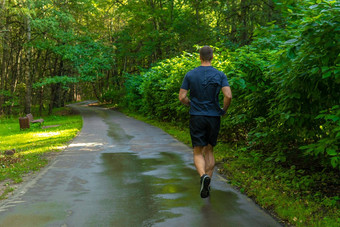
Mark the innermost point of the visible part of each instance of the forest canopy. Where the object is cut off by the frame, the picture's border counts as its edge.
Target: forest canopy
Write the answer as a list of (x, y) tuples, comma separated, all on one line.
[(56, 51)]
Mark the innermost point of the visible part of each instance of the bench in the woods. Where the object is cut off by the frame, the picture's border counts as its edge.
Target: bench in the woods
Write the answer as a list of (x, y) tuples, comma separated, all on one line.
[(31, 120)]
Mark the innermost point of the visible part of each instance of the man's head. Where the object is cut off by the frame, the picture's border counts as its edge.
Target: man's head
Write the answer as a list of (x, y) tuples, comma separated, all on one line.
[(206, 53)]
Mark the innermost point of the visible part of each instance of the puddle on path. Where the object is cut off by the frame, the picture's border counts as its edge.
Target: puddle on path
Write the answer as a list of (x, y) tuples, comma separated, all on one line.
[(164, 191)]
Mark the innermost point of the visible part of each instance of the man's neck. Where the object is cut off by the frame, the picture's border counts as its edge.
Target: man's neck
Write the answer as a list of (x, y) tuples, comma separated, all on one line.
[(205, 63)]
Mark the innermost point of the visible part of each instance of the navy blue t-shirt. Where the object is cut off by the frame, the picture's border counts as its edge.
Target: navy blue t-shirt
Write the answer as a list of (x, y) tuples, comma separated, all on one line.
[(205, 83)]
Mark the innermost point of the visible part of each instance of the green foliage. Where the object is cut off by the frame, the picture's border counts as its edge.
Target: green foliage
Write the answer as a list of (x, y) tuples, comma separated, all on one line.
[(133, 97), (11, 99), (155, 92), (77, 48), (286, 96), (64, 80), (328, 142), (114, 95), (306, 82)]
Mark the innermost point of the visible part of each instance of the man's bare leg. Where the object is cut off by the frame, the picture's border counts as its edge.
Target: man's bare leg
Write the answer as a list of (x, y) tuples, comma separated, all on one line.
[(209, 159), (199, 160), (200, 166)]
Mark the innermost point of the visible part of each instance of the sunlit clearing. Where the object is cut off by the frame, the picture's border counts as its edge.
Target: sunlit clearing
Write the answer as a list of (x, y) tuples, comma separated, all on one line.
[(52, 134), (60, 147), (47, 134)]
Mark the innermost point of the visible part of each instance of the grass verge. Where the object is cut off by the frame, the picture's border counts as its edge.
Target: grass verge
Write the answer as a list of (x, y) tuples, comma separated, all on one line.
[(32, 145), (271, 186)]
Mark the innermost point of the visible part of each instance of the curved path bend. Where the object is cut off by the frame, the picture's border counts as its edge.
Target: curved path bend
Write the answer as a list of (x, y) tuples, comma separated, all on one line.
[(122, 172)]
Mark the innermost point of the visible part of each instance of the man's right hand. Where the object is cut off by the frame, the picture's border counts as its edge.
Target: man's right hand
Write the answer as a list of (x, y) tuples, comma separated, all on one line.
[(223, 111)]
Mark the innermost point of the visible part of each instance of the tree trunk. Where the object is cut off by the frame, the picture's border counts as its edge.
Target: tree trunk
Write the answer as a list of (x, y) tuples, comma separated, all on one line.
[(41, 98), (28, 97), (52, 94), (172, 11), (3, 69), (59, 98), (71, 93), (15, 73), (270, 10), (57, 95), (244, 15), (50, 107), (197, 3), (95, 91)]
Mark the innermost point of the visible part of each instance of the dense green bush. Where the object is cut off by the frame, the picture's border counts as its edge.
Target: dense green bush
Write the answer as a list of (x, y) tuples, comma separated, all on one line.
[(306, 86), (155, 92)]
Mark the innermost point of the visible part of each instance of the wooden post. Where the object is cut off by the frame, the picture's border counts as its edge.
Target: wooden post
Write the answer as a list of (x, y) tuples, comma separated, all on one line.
[(24, 122)]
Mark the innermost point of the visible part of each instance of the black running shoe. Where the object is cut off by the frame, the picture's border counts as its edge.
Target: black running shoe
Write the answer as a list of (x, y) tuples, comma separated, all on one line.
[(205, 186)]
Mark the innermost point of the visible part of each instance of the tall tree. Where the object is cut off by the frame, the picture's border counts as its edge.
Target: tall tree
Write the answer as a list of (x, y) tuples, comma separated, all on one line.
[(28, 74), (4, 34)]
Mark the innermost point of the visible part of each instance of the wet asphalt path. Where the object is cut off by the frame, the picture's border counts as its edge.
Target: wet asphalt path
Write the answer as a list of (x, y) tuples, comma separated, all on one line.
[(123, 172)]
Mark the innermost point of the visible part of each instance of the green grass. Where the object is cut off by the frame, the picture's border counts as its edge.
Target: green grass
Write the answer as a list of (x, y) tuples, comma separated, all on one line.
[(7, 190), (32, 144), (271, 186)]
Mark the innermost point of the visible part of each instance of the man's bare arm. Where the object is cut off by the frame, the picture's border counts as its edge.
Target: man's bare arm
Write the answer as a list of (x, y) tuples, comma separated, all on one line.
[(183, 97), (227, 97)]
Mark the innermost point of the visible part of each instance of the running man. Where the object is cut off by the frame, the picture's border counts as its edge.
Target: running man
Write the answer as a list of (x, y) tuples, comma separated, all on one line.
[(205, 83)]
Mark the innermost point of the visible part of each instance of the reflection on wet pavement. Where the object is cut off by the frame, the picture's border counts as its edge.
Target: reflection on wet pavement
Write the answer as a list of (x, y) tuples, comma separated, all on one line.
[(163, 191)]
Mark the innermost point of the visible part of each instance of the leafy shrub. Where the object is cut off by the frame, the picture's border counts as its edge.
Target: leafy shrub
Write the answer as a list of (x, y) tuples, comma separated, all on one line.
[(155, 92), (113, 94), (306, 79)]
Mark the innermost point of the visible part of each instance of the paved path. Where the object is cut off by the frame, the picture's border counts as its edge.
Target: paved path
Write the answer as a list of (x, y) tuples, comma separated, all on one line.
[(123, 172)]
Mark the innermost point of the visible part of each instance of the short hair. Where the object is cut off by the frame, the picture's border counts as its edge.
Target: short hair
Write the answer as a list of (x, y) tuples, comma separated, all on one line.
[(206, 53)]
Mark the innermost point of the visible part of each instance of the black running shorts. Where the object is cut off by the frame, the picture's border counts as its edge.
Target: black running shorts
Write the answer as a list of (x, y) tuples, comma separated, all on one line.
[(204, 130)]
